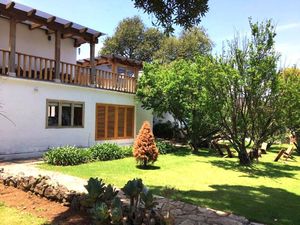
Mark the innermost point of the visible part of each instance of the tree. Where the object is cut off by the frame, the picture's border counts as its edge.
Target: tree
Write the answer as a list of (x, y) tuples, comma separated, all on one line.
[(190, 43), (185, 13), (133, 40), (144, 149), (290, 88), (177, 88), (244, 86)]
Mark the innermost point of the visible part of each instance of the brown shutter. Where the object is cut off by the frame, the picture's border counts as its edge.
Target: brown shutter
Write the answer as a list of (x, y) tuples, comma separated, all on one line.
[(129, 122), (111, 122), (100, 121), (121, 122)]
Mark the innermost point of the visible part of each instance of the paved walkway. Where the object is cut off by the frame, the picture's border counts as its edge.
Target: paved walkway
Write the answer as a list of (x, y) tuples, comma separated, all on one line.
[(181, 213)]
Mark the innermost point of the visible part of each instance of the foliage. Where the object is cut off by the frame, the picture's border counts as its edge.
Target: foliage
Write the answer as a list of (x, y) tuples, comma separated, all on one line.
[(102, 201), (106, 151), (190, 43), (106, 208), (127, 151), (67, 155), (141, 199), (133, 40), (207, 180), (145, 150), (244, 86), (180, 86), (164, 147), (163, 130), (290, 88), (185, 13), (70, 155)]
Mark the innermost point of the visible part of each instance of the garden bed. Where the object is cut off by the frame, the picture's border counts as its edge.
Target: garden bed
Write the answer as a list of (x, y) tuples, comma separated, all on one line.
[(52, 212)]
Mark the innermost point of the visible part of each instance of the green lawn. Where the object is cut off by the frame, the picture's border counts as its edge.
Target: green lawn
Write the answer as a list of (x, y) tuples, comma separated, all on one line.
[(13, 216), (268, 192)]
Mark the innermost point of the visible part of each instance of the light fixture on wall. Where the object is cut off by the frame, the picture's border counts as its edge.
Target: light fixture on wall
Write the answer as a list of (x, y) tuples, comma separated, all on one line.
[(49, 37), (78, 51)]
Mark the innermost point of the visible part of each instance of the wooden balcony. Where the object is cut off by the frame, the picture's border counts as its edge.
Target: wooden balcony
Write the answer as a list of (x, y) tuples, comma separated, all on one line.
[(43, 69)]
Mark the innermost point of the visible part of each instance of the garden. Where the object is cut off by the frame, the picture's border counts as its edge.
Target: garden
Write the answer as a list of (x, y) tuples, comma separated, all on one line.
[(266, 192), (233, 145)]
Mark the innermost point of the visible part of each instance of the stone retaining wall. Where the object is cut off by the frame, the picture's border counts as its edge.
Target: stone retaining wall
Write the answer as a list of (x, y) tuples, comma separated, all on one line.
[(42, 186)]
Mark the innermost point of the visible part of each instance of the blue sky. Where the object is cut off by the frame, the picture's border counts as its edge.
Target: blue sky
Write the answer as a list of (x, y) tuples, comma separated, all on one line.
[(223, 20)]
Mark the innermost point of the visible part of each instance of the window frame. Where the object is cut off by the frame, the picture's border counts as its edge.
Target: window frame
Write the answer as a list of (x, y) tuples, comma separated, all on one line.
[(60, 103), (115, 122)]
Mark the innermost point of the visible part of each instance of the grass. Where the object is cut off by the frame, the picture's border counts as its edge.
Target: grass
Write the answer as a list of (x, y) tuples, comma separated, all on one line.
[(267, 192), (13, 216)]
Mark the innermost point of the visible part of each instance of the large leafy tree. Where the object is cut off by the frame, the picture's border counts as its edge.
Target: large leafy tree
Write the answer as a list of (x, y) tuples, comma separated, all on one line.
[(133, 40), (290, 89), (178, 88), (244, 85), (190, 43), (184, 13)]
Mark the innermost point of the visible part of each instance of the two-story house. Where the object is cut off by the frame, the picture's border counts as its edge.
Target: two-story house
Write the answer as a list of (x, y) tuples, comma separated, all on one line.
[(47, 99)]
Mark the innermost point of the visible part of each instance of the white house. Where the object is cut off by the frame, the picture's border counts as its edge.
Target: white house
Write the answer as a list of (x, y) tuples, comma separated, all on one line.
[(46, 98)]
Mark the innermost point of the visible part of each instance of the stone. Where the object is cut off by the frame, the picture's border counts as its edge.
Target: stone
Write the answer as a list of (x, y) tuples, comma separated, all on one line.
[(188, 222)]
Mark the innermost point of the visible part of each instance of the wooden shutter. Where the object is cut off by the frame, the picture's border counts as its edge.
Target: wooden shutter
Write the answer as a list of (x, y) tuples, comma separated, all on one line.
[(114, 122), (129, 121), (100, 121), (121, 122), (111, 122)]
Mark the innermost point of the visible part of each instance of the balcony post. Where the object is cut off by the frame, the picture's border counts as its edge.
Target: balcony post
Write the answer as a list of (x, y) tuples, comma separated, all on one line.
[(92, 62), (57, 56), (12, 47)]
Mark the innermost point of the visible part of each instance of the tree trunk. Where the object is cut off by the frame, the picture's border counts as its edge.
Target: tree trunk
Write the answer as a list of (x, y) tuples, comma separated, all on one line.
[(145, 163), (244, 158)]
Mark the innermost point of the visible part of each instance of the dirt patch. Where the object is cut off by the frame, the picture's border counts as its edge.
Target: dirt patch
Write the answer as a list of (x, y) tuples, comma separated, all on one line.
[(54, 212)]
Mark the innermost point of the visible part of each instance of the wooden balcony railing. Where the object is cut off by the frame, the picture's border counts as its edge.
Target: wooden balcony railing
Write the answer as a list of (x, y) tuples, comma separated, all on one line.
[(40, 68)]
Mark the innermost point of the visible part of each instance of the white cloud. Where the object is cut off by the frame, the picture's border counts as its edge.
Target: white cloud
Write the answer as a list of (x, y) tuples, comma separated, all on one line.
[(288, 26)]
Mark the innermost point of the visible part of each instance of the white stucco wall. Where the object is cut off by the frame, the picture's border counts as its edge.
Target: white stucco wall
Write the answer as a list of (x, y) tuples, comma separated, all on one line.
[(24, 102), (35, 42)]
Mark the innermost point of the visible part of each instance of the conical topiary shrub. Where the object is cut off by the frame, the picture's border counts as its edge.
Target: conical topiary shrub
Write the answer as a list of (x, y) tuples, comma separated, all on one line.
[(144, 149)]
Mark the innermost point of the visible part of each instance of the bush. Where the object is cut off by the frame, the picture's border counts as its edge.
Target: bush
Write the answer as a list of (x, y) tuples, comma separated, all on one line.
[(67, 155), (127, 151), (164, 130), (106, 151), (145, 150), (164, 147)]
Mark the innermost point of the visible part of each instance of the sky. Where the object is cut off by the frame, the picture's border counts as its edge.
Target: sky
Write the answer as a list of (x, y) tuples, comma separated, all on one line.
[(222, 22)]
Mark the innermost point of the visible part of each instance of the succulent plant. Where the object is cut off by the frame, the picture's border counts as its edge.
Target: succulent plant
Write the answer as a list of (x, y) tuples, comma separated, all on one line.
[(100, 213)]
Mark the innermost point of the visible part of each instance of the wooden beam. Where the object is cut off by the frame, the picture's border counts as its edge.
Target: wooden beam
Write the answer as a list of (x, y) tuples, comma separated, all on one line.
[(48, 32), (83, 30), (35, 25), (68, 25), (31, 12), (92, 62), (67, 35), (10, 5), (57, 56), (12, 46), (79, 42), (51, 19), (34, 18)]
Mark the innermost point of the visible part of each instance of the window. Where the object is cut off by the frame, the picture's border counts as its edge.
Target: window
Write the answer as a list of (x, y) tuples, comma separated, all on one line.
[(121, 70), (114, 122), (62, 114)]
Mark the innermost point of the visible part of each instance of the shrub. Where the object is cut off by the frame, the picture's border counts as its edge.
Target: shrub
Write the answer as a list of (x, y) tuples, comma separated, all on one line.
[(163, 130), (106, 151), (67, 155), (145, 150), (127, 151), (164, 147)]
